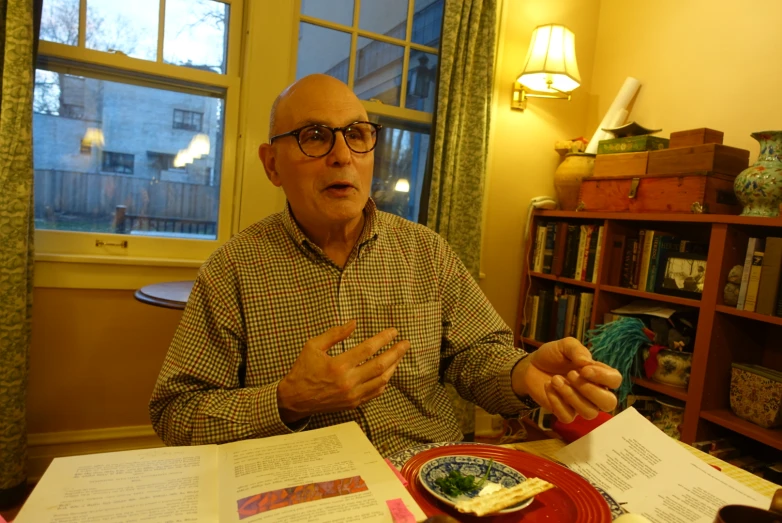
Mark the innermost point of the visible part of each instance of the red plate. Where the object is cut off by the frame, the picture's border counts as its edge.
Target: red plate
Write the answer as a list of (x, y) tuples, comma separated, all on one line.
[(575, 500)]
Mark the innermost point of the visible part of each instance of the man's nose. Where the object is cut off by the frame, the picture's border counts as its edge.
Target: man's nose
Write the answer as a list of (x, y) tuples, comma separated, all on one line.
[(340, 154)]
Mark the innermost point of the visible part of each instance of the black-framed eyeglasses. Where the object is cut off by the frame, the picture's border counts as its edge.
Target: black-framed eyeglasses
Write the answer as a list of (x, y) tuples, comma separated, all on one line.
[(317, 140)]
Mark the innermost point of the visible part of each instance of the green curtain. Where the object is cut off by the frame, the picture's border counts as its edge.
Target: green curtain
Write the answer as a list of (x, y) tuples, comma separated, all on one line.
[(461, 136), (461, 131), (16, 246)]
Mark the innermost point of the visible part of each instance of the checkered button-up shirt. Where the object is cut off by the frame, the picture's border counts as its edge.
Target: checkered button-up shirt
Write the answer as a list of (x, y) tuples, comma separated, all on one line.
[(263, 294)]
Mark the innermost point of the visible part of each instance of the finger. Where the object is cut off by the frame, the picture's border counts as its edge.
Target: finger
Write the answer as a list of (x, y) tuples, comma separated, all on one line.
[(367, 348), (601, 397), (601, 375), (334, 335), (576, 352), (376, 386), (379, 365), (583, 407), (561, 410)]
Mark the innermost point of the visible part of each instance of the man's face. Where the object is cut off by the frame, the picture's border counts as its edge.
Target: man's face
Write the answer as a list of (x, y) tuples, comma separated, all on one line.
[(332, 190)]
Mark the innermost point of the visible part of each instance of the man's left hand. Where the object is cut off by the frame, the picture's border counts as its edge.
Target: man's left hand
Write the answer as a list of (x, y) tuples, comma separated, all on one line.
[(562, 377)]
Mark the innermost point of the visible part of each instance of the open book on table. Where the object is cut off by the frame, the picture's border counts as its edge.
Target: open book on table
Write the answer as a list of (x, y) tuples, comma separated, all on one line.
[(323, 475)]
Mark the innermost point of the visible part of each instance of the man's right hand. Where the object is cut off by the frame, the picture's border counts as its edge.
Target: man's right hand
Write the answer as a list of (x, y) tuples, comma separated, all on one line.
[(318, 382)]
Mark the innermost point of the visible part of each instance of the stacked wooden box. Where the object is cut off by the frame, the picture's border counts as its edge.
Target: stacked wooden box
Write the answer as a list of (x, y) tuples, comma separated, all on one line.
[(694, 174)]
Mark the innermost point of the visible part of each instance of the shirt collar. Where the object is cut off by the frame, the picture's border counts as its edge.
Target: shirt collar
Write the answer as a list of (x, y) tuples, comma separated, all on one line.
[(372, 226)]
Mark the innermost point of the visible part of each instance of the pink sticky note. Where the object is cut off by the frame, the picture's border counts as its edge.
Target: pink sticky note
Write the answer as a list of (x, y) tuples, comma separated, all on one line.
[(399, 475), (399, 512)]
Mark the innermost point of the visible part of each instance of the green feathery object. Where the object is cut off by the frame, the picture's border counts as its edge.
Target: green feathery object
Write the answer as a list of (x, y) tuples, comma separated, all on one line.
[(617, 344)]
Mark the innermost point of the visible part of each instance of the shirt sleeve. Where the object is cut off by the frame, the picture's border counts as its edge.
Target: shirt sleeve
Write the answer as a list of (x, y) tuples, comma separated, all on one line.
[(477, 346), (199, 397)]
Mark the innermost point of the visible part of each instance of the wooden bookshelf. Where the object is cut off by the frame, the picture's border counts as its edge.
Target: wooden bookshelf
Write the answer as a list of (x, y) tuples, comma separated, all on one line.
[(726, 418), (674, 392), (765, 318), (724, 335)]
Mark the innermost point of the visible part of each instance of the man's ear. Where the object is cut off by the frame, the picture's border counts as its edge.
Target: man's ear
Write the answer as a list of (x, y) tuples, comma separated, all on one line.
[(267, 155)]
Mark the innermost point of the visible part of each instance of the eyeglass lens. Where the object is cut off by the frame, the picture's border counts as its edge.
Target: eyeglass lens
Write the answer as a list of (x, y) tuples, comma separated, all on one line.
[(317, 140)]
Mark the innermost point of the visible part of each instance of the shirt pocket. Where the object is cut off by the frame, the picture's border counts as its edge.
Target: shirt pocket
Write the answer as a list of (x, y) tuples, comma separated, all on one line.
[(420, 324)]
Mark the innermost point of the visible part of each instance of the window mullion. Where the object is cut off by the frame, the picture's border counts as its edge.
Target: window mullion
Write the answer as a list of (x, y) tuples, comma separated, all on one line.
[(161, 30), (354, 44), (82, 24)]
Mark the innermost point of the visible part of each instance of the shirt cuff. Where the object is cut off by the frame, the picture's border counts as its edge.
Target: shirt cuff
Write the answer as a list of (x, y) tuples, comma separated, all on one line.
[(511, 402), (269, 422)]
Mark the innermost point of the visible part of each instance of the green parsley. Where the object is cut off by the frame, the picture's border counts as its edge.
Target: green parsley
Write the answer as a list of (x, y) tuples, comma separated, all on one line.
[(456, 483)]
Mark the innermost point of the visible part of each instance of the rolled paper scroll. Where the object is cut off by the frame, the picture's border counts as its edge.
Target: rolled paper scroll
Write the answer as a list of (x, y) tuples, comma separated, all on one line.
[(616, 114)]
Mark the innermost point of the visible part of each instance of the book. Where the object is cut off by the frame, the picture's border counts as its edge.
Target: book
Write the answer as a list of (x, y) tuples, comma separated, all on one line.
[(637, 255), (540, 244), (615, 258), (533, 319), (778, 311), (580, 256), (589, 240), (769, 276), (596, 268), (562, 305), (571, 251), (527, 317), (631, 248), (548, 248), (645, 258), (587, 298), (572, 304), (560, 243), (315, 475), (544, 314), (753, 283), (752, 245)]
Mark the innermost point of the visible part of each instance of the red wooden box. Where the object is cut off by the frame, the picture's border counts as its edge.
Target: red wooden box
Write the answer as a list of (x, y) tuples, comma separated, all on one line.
[(697, 192)]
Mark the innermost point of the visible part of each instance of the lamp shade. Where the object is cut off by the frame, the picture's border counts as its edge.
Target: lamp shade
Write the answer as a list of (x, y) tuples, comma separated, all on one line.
[(551, 60)]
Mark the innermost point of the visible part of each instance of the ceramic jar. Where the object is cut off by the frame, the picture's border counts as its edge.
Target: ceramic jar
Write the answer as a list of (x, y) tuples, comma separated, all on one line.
[(759, 187), (567, 178), (670, 416), (673, 367)]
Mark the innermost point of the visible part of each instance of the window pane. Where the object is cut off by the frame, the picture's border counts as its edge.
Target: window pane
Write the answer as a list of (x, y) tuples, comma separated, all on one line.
[(126, 159), (338, 11), (427, 22), (322, 50), (400, 164), (386, 17), (421, 81), (196, 34), (60, 21), (129, 27), (378, 71)]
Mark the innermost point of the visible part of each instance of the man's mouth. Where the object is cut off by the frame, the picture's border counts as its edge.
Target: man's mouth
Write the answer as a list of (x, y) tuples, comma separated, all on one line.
[(339, 186)]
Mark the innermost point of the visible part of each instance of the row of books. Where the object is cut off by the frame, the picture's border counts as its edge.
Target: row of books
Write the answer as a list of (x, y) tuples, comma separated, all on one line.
[(760, 289), (643, 257), (557, 313), (568, 250)]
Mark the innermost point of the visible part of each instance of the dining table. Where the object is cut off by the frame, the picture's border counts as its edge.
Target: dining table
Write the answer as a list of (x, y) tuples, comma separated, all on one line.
[(575, 499)]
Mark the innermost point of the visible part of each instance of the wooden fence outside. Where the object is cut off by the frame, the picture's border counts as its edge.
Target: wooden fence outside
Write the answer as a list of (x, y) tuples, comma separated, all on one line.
[(98, 195)]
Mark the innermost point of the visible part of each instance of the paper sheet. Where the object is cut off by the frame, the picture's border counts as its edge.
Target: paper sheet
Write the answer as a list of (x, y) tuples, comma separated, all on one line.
[(652, 475)]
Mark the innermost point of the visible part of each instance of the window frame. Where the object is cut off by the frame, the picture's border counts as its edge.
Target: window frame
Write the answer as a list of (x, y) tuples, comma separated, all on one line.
[(83, 247)]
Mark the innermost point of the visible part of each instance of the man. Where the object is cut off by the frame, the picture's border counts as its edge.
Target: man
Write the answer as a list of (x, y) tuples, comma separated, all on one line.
[(332, 311)]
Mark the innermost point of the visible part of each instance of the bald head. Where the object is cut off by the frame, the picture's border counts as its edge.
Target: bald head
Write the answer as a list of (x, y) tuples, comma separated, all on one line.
[(313, 99)]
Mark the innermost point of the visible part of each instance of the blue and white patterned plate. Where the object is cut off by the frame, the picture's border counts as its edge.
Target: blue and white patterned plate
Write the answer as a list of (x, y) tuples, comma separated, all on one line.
[(441, 467)]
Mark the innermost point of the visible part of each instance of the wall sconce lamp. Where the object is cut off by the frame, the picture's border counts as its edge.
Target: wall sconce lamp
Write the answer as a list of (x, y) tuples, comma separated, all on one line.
[(550, 70)]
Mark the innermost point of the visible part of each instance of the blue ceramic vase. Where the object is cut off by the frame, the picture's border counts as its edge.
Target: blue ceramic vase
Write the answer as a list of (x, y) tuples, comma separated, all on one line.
[(759, 186)]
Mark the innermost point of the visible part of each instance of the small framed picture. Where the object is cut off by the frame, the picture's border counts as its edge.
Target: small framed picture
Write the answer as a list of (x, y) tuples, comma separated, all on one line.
[(681, 274)]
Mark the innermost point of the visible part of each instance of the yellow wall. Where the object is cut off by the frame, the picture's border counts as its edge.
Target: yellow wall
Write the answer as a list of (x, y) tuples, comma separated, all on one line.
[(701, 63), (522, 158)]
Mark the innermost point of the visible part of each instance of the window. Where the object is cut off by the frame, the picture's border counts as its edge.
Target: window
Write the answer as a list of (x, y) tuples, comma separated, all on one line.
[(121, 163), (387, 52), (188, 120), (106, 74)]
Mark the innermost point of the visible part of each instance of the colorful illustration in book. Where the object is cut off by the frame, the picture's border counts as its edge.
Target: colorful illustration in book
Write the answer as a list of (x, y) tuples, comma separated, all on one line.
[(286, 497)]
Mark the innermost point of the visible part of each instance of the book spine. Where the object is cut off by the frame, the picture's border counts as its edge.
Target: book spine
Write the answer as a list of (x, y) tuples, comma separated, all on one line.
[(580, 318), (779, 299), (745, 273), (571, 307), (646, 256), (541, 245), (540, 321), (548, 250), (561, 316), (533, 319), (598, 249), (527, 317), (560, 243), (769, 276), (653, 263), (631, 244), (637, 258), (615, 258), (754, 282), (588, 299), (571, 250), (574, 317), (580, 255), (590, 233)]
